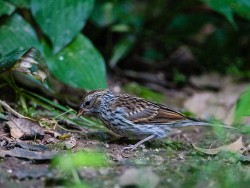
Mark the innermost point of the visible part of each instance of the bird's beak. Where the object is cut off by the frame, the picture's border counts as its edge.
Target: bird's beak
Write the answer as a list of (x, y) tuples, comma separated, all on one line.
[(81, 112)]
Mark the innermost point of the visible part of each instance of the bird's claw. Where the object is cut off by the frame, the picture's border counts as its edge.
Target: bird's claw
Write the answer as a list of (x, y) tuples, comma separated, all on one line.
[(130, 148)]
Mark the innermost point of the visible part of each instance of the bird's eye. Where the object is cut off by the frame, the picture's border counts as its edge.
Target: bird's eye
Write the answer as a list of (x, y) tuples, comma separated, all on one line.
[(87, 103)]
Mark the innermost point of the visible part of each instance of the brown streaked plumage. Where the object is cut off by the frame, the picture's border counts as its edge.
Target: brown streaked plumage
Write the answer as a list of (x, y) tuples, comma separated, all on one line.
[(142, 111), (132, 116)]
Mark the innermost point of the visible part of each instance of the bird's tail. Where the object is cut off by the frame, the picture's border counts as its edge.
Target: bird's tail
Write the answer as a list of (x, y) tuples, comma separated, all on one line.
[(194, 122)]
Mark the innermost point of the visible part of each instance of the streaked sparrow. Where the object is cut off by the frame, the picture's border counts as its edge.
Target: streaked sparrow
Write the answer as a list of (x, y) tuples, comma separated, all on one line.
[(134, 117)]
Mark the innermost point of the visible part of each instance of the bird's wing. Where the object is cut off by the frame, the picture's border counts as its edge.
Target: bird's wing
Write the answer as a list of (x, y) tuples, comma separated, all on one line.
[(140, 111)]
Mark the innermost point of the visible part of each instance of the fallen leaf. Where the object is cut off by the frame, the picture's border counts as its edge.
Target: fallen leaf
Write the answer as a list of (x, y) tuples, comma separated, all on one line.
[(24, 128), (139, 177), (234, 147), (219, 105)]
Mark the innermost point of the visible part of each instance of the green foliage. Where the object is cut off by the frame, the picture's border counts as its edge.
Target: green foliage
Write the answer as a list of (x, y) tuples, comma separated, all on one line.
[(222, 7), (20, 4), (148, 32), (17, 33), (228, 7), (70, 56), (30, 62), (121, 49), (86, 62), (10, 59), (242, 106), (61, 20), (215, 173), (115, 13), (144, 92), (178, 77), (6, 8), (70, 162), (79, 159)]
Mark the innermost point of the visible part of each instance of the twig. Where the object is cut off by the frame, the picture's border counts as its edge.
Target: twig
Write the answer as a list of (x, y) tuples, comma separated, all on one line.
[(63, 113), (12, 111), (73, 131)]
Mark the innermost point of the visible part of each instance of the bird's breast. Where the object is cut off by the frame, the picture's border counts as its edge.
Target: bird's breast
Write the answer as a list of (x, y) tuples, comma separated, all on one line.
[(118, 123)]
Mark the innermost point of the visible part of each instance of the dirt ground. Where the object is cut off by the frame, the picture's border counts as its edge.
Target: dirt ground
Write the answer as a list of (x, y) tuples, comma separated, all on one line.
[(170, 162)]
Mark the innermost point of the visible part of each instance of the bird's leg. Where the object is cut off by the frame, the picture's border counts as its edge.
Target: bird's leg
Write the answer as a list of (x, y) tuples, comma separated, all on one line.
[(133, 147)]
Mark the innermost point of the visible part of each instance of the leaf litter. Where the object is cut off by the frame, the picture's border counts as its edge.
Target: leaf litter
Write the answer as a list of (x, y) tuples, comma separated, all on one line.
[(236, 146)]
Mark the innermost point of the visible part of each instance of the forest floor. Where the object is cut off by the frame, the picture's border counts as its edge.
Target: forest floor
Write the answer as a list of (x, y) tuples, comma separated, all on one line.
[(170, 162)]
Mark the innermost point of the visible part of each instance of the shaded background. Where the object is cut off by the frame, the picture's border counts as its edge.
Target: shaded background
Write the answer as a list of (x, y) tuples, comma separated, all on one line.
[(153, 49), (81, 40)]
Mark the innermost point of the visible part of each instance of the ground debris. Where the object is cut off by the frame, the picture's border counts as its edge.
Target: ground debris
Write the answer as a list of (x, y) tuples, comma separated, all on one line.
[(26, 154), (24, 128), (236, 146)]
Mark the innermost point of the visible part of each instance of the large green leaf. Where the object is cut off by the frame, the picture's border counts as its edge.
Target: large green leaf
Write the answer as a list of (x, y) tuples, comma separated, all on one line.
[(6, 8), (61, 20), (79, 65), (121, 49), (17, 33), (20, 4)]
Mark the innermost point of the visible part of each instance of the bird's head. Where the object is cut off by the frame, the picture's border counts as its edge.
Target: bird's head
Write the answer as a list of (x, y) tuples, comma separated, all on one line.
[(91, 102)]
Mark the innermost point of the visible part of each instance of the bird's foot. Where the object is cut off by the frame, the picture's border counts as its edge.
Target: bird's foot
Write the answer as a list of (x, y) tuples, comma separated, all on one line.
[(133, 147), (130, 148)]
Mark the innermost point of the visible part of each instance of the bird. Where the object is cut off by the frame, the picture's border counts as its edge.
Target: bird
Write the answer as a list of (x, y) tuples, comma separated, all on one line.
[(133, 117)]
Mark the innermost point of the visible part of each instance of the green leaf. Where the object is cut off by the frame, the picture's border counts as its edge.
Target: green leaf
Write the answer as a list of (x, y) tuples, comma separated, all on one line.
[(128, 13), (6, 8), (222, 7), (61, 20), (227, 7), (121, 49), (241, 7), (29, 61), (243, 106), (20, 4), (103, 13), (79, 65), (10, 59), (16, 33)]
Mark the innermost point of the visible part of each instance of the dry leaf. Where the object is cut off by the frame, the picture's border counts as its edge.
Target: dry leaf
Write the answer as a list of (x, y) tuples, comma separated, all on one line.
[(234, 147), (219, 105), (32, 63), (24, 128)]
